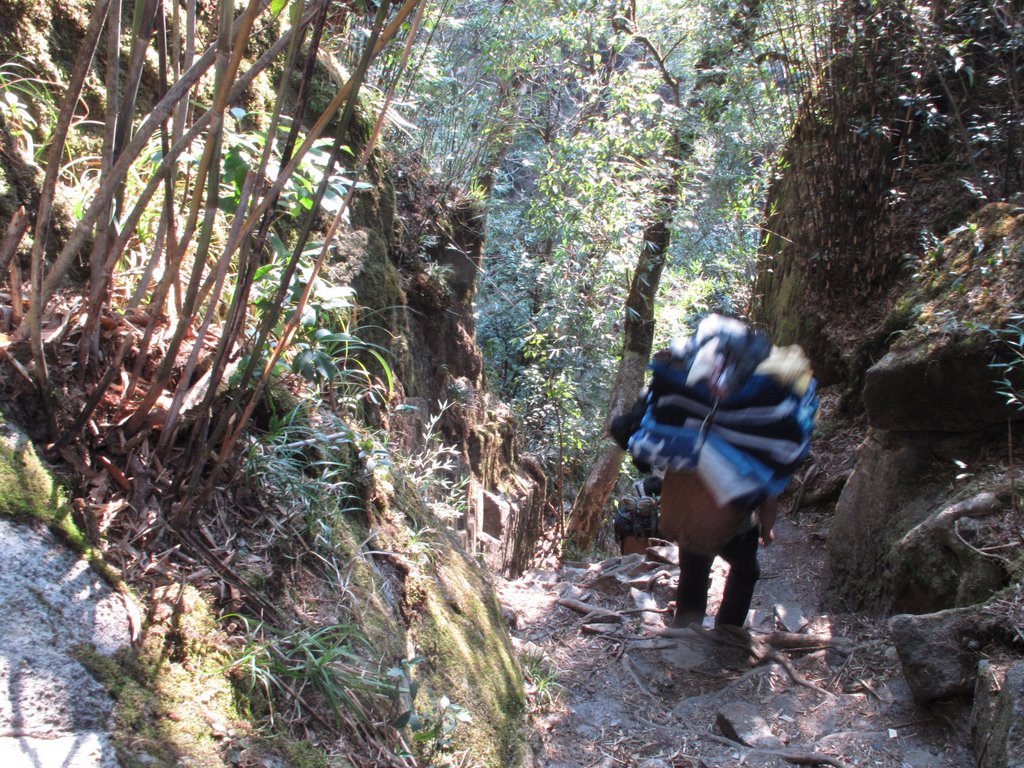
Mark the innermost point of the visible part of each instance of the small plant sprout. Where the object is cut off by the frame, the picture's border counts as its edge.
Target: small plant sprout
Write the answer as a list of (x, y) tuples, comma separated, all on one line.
[(542, 689)]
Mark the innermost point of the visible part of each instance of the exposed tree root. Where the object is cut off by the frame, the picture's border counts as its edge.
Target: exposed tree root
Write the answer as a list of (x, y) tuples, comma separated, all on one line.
[(591, 612), (763, 648), (797, 757)]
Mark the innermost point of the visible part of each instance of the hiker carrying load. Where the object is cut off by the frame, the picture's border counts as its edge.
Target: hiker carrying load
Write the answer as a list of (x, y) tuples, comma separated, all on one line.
[(728, 418)]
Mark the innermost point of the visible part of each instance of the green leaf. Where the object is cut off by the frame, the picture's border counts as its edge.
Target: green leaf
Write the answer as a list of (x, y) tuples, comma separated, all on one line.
[(303, 364), (325, 365), (263, 271)]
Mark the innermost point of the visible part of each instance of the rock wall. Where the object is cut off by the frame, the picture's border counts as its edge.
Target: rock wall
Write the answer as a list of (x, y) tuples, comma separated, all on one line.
[(888, 156), (52, 710), (414, 263), (935, 474)]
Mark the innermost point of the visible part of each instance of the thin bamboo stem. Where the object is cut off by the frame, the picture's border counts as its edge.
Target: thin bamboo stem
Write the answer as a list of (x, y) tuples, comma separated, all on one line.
[(33, 326)]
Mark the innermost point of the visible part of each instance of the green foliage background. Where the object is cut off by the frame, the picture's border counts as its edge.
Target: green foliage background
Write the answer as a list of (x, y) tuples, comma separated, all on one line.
[(557, 115)]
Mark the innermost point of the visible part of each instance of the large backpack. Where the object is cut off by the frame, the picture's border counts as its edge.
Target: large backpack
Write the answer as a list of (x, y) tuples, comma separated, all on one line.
[(744, 439)]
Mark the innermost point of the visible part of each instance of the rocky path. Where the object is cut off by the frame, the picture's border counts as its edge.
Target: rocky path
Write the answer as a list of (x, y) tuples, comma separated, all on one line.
[(616, 688)]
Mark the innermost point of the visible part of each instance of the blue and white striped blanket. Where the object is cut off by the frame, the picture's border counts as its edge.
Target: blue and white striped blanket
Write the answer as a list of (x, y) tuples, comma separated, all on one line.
[(744, 448)]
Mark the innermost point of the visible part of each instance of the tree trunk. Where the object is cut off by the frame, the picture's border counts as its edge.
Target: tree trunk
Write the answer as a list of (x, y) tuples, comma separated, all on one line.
[(587, 511)]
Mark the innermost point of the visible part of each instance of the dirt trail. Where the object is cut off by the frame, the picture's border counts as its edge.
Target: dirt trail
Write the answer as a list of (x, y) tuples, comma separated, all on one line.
[(618, 694)]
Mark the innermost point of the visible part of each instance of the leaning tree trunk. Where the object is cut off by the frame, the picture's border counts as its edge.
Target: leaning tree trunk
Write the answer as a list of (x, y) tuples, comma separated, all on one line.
[(636, 350)]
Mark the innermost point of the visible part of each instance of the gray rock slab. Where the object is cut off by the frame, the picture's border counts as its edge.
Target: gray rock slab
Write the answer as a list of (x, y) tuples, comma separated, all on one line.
[(79, 750), (651, 615), (790, 616), (923, 758), (744, 723), (940, 383), (50, 596), (664, 553), (691, 653), (43, 692), (52, 711), (742, 757)]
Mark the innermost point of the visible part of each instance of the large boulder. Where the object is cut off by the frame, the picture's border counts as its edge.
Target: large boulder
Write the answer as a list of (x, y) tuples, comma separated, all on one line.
[(901, 537), (896, 542), (939, 652), (938, 385), (945, 356), (52, 710)]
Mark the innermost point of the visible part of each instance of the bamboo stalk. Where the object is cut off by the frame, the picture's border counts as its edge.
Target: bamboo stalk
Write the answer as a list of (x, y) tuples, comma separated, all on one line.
[(33, 326), (16, 229), (209, 121), (89, 344), (227, 446), (178, 92), (162, 175)]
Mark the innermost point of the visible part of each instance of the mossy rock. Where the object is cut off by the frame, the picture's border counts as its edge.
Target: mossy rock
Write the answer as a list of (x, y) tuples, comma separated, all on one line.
[(26, 487), (28, 491), (454, 624), (943, 383), (938, 373), (458, 627), (783, 309), (892, 545), (175, 704), (935, 565)]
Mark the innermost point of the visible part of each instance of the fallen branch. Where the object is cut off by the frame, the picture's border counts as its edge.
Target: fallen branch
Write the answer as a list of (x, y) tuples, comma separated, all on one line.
[(591, 612), (795, 676), (827, 492), (629, 611), (795, 640), (617, 637)]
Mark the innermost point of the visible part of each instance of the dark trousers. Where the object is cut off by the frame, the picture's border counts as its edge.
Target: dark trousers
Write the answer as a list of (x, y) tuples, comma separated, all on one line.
[(695, 581)]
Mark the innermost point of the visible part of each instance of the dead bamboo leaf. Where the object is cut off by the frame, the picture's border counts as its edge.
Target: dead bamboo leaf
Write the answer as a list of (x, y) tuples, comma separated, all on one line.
[(134, 618)]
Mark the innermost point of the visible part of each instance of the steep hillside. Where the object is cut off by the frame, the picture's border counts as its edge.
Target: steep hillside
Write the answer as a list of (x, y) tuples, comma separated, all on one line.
[(912, 125), (332, 582)]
